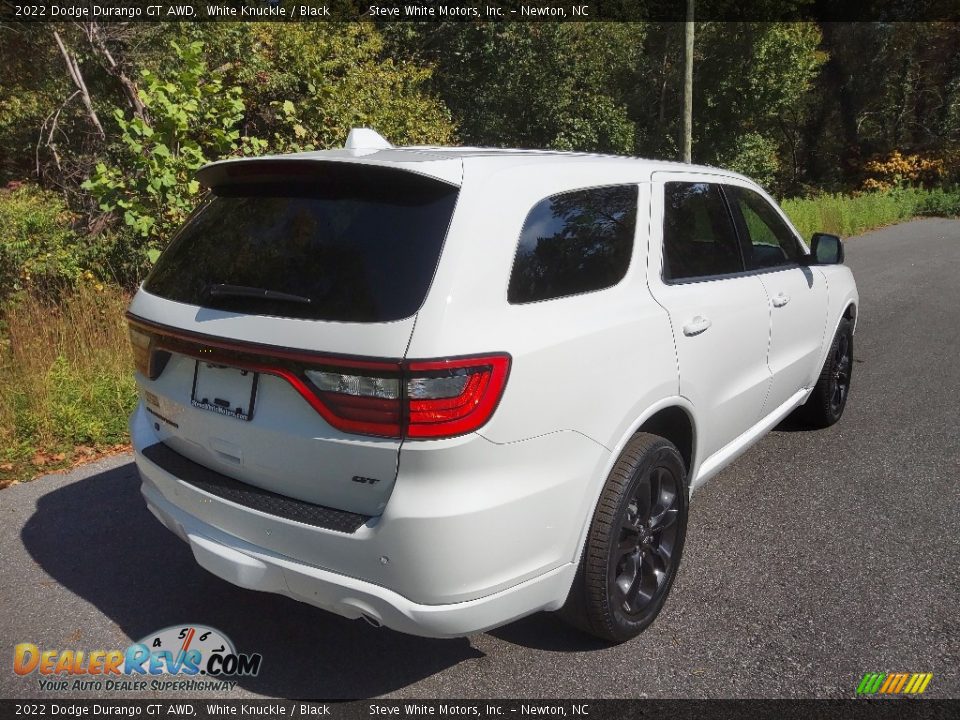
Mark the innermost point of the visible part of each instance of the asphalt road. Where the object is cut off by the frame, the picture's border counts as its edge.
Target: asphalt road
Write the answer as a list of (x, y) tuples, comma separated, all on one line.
[(815, 558)]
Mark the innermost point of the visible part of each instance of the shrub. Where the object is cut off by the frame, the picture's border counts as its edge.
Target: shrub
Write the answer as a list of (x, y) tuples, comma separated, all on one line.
[(853, 214), (193, 118), (39, 250), (897, 170), (940, 202)]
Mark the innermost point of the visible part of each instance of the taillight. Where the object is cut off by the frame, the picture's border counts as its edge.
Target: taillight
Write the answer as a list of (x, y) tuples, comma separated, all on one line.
[(148, 361), (358, 403), (453, 397), (385, 398), (142, 344), (429, 398)]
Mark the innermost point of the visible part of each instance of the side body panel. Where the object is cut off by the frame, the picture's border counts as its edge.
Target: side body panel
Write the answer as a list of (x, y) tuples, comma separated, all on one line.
[(589, 364), (723, 368)]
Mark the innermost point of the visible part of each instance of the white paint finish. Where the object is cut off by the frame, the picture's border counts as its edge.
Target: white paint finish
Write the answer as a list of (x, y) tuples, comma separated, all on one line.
[(441, 167), (253, 567), (459, 511), (589, 363), (798, 299), (287, 447), (366, 139), (721, 328), (739, 445)]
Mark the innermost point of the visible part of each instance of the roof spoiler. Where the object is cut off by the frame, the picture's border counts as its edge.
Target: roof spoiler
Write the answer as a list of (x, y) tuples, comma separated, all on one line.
[(366, 139)]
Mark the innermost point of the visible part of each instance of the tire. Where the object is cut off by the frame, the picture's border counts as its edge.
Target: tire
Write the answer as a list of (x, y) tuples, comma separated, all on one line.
[(634, 545), (829, 397)]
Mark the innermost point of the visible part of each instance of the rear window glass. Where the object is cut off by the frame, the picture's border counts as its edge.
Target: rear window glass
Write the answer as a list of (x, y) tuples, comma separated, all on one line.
[(574, 243), (350, 244)]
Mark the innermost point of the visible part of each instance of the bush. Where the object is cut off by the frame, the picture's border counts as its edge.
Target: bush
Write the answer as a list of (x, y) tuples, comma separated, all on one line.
[(940, 203), (39, 250), (853, 214), (193, 118)]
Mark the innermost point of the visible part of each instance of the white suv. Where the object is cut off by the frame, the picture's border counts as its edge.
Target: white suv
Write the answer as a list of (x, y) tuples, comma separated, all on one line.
[(444, 388)]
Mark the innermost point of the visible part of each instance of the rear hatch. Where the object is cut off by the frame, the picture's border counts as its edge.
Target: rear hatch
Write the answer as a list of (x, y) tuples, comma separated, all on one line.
[(269, 336)]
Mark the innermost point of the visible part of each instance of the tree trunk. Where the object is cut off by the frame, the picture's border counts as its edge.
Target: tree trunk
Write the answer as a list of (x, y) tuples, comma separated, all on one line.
[(111, 66), (73, 67)]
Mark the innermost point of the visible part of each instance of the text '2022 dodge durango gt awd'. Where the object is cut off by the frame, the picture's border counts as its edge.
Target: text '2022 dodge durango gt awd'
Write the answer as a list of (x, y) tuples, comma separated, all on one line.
[(444, 388)]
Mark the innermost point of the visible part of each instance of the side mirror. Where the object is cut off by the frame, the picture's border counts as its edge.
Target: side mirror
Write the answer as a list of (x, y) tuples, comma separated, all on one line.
[(826, 249)]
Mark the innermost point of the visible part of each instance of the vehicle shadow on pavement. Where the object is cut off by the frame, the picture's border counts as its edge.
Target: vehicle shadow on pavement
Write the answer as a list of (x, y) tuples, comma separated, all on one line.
[(546, 631), (97, 539)]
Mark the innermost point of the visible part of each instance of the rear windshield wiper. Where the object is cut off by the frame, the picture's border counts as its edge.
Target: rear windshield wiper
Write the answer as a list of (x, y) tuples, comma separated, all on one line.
[(222, 290)]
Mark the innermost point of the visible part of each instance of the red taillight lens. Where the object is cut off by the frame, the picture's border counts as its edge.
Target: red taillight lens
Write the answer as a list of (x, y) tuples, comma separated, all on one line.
[(358, 403), (453, 397), (429, 399), (385, 398)]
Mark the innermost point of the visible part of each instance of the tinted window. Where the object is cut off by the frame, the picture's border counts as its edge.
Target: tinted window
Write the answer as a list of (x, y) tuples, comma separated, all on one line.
[(772, 242), (699, 239), (574, 243), (355, 244)]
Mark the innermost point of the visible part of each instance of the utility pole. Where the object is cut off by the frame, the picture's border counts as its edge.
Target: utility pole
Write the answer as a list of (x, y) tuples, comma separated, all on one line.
[(688, 87)]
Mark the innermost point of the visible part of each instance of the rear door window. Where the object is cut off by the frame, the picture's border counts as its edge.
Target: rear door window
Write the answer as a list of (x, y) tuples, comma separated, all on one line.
[(345, 243), (574, 242), (699, 237)]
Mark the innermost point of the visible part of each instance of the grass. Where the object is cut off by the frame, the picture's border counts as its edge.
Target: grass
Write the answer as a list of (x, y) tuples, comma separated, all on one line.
[(847, 215), (66, 381)]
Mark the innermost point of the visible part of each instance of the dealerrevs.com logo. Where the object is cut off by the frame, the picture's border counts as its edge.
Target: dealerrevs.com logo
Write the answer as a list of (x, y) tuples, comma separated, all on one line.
[(181, 657)]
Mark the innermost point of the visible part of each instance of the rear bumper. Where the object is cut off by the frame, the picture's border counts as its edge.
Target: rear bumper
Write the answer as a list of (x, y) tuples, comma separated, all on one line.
[(251, 567), (475, 535)]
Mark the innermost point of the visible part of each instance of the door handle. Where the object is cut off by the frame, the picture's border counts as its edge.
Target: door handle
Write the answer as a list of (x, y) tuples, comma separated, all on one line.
[(696, 326), (780, 300)]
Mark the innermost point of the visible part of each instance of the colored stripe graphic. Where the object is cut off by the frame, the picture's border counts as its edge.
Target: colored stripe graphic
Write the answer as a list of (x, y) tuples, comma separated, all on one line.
[(894, 683)]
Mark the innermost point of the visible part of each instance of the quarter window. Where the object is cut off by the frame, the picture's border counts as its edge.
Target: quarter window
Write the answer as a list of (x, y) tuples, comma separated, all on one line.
[(771, 242), (574, 243), (699, 239)]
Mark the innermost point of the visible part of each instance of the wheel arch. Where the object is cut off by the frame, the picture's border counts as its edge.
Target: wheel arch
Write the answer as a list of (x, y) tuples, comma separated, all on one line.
[(850, 313), (672, 418)]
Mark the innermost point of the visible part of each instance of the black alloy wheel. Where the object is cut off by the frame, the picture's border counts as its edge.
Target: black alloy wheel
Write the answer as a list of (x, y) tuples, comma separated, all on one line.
[(634, 543)]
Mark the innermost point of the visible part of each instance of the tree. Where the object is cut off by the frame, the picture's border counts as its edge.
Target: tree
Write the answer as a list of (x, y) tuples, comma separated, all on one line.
[(189, 116), (307, 84), (542, 85)]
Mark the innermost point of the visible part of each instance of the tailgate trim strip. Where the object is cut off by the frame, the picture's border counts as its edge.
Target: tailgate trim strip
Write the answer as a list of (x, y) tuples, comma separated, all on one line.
[(250, 496)]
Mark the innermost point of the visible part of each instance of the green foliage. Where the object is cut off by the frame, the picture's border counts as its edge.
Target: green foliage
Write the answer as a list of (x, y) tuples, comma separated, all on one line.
[(307, 84), (89, 409), (758, 158), (546, 85), (38, 247), (853, 214), (191, 118), (749, 82), (940, 202)]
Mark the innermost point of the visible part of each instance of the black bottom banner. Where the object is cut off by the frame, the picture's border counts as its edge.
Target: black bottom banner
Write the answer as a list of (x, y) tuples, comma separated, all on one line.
[(484, 709)]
